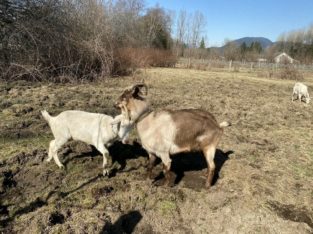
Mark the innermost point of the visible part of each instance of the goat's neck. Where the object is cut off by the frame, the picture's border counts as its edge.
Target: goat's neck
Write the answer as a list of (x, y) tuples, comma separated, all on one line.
[(142, 116), (142, 123), (115, 129), (139, 109)]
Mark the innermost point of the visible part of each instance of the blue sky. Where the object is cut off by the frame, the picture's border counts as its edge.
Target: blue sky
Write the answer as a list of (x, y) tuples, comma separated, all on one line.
[(235, 19)]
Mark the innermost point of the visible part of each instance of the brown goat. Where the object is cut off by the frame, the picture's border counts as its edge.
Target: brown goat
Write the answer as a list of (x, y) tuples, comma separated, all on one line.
[(166, 132)]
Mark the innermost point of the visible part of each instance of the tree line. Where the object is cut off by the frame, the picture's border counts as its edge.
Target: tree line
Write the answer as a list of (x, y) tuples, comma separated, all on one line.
[(298, 44), (60, 40), (82, 39)]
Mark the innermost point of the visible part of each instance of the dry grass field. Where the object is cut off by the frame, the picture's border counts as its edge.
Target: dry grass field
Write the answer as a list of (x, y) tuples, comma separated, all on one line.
[(264, 179)]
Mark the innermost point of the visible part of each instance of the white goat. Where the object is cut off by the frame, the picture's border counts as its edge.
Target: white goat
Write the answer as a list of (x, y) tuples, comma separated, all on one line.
[(301, 90), (95, 129)]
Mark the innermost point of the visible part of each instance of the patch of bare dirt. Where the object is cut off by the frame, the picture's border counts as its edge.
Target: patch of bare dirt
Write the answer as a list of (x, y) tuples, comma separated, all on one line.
[(293, 213), (263, 181)]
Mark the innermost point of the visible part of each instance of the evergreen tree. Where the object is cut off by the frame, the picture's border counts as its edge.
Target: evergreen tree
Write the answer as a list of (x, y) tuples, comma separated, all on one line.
[(255, 47), (243, 48), (202, 44)]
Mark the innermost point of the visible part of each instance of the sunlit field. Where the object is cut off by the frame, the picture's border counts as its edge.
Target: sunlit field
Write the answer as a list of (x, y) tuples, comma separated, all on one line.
[(264, 176)]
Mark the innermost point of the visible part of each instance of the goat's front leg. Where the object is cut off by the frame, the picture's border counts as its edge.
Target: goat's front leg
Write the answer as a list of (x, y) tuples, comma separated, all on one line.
[(151, 163), (105, 154), (307, 98), (166, 167)]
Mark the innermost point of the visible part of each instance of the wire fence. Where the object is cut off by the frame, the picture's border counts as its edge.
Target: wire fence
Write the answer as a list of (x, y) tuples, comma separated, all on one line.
[(206, 64)]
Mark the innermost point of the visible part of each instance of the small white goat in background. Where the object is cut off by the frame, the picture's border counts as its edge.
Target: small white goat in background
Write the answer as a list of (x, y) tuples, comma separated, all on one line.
[(301, 90), (95, 129)]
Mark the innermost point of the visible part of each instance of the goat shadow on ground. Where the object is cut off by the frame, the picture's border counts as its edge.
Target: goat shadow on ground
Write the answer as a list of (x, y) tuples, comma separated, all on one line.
[(122, 152), (195, 161), (88, 154), (118, 151), (125, 223), (181, 163)]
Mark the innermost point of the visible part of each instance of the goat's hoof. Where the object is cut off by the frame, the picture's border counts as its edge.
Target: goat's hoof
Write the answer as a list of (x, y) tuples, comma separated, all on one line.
[(48, 159), (168, 184), (125, 142), (149, 176), (158, 183), (207, 185), (106, 172)]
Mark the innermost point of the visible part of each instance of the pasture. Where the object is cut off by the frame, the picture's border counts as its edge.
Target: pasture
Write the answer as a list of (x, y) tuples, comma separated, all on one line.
[(264, 163)]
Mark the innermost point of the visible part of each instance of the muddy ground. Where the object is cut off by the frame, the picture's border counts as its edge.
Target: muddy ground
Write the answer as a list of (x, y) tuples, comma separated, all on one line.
[(264, 176)]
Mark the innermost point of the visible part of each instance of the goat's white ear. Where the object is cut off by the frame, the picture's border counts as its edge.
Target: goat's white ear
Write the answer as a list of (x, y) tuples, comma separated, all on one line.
[(117, 120), (113, 122)]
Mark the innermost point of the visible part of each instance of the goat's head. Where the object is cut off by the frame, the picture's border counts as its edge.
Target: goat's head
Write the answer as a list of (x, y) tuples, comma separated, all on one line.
[(307, 100), (133, 100)]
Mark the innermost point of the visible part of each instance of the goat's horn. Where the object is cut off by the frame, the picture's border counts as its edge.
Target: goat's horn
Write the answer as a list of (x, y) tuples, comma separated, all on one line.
[(139, 86), (126, 111)]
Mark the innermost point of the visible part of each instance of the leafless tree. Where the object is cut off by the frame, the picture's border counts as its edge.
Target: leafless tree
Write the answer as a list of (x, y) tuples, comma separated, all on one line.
[(157, 28), (197, 25), (231, 50), (297, 43), (189, 31), (181, 32)]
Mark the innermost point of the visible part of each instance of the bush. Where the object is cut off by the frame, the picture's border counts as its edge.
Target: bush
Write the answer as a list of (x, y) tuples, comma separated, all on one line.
[(290, 73), (126, 60), (46, 39), (72, 40)]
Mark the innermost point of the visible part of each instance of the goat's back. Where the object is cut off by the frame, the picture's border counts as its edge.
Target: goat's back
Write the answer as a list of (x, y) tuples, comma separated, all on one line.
[(178, 130), (300, 88), (81, 125)]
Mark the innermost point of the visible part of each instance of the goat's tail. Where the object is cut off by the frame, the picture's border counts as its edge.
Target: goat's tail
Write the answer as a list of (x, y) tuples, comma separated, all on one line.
[(225, 124), (46, 115)]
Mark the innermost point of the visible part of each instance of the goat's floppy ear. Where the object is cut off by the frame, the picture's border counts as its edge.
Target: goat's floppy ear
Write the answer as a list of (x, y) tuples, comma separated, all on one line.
[(138, 89), (116, 120)]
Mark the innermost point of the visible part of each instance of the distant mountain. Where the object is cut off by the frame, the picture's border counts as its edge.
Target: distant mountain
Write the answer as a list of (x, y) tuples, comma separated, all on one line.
[(265, 42)]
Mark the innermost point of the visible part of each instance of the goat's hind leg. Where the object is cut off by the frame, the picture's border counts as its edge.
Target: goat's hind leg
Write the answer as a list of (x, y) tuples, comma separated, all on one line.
[(50, 153), (55, 145), (209, 153)]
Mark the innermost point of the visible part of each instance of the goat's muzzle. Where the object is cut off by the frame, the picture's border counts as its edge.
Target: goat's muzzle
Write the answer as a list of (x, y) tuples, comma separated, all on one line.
[(117, 105)]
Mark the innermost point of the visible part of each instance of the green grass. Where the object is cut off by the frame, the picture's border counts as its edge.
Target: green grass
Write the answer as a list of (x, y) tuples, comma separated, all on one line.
[(167, 207), (12, 146)]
